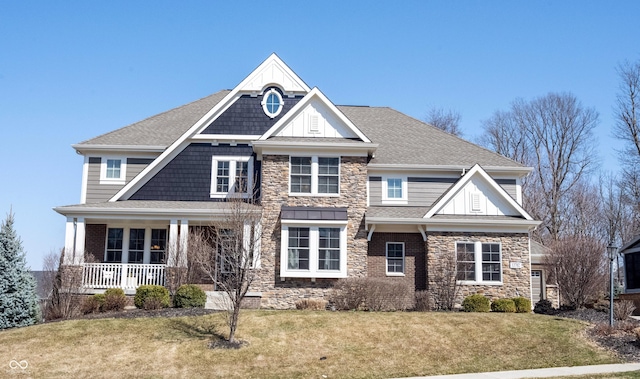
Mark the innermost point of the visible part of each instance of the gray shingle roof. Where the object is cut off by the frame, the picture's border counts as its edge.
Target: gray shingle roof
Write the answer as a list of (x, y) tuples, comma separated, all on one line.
[(396, 212), (154, 205), (161, 129), (402, 139), (405, 140)]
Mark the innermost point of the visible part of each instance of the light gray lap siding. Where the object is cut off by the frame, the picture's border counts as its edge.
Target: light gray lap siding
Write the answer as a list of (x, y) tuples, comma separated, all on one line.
[(97, 192)]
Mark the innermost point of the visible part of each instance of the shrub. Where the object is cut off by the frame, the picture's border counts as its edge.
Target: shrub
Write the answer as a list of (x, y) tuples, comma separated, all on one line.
[(114, 300), (476, 303), (373, 294), (523, 305), (311, 304), (601, 305), (151, 297), (623, 309), (189, 296), (544, 307), (503, 305), (423, 301), (92, 304)]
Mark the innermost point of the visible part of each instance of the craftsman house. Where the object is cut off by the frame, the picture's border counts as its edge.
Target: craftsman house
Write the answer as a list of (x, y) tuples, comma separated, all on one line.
[(344, 191)]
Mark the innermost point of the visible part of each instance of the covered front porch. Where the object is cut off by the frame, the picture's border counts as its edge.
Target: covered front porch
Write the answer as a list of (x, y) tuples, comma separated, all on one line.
[(133, 243)]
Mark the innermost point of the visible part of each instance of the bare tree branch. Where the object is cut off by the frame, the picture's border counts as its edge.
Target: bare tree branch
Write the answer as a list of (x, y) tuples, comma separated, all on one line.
[(446, 120)]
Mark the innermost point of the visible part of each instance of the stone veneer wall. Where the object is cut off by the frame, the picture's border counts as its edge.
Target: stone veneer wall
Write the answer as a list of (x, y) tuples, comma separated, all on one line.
[(280, 294), (515, 248), (414, 263)]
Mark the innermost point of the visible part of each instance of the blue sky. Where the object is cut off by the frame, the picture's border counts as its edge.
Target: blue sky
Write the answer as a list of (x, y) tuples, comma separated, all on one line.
[(71, 70)]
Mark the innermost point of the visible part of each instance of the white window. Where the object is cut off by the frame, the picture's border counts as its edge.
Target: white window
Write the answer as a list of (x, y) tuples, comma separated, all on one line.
[(314, 176), (113, 170), (313, 251), (479, 263), (394, 190), (135, 245), (231, 175), (272, 103), (395, 258)]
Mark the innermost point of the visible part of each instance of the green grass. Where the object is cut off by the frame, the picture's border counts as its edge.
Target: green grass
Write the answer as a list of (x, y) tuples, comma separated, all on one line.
[(299, 344)]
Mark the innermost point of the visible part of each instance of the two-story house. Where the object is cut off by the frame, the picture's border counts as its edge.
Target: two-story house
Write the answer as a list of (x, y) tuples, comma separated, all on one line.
[(344, 191)]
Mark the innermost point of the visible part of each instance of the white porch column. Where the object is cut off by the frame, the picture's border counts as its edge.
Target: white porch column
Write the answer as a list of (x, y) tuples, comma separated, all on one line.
[(74, 241), (173, 243), (184, 242)]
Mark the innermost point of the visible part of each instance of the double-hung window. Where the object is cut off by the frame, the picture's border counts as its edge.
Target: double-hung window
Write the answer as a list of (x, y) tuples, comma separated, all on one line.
[(136, 245), (314, 175), (479, 262), (231, 175), (158, 246), (394, 190), (112, 170), (395, 258), (313, 251), (114, 245)]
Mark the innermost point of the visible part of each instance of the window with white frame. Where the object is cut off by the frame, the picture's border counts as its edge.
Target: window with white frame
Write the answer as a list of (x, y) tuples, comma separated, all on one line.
[(479, 262), (231, 175), (394, 190), (135, 245), (314, 175), (272, 103), (395, 258), (113, 170), (313, 251)]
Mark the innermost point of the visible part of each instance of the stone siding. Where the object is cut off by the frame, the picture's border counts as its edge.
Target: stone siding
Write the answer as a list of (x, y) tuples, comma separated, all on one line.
[(280, 294), (515, 248), (414, 260)]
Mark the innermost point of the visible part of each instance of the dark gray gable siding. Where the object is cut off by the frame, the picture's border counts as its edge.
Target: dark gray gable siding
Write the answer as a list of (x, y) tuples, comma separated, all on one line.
[(188, 176), (246, 116)]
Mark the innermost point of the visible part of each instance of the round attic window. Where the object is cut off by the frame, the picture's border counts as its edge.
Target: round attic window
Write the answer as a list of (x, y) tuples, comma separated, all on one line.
[(272, 103)]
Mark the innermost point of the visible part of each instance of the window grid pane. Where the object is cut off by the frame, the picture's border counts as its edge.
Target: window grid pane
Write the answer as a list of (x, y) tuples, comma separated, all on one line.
[(298, 249), (222, 181), (136, 245), (491, 262), (395, 257), (394, 188), (328, 178), (329, 252), (114, 245), (113, 168), (301, 174), (158, 245), (242, 176), (465, 260)]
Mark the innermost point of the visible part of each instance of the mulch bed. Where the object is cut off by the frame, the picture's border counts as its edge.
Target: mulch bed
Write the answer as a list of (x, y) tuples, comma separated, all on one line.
[(620, 339)]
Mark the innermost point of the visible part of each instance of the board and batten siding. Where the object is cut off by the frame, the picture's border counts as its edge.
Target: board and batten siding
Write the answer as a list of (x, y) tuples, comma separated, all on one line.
[(424, 191), (97, 192)]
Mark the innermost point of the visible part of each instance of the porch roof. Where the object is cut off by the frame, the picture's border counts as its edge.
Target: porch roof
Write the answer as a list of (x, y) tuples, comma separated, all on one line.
[(200, 210)]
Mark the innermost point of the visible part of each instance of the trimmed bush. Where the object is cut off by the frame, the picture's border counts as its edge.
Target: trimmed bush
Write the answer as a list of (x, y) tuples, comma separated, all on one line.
[(373, 294), (152, 297), (503, 305), (189, 296), (476, 303), (114, 300), (544, 307), (623, 309), (523, 305), (311, 304), (92, 304)]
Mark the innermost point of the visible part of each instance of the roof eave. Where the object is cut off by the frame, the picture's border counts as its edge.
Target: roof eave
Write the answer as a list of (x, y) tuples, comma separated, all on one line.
[(84, 148), (295, 146), (520, 171)]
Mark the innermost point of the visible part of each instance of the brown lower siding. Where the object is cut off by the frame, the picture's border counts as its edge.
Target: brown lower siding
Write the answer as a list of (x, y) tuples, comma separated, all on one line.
[(414, 249)]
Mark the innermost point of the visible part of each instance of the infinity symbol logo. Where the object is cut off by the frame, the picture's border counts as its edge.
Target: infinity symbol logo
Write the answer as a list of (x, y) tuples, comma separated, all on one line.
[(15, 364)]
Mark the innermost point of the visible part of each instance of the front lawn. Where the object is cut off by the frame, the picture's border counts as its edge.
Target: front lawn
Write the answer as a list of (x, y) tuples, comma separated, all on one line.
[(299, 344)]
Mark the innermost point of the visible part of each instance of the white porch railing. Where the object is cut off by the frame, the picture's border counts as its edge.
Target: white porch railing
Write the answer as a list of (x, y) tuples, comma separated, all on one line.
[(127, 276)]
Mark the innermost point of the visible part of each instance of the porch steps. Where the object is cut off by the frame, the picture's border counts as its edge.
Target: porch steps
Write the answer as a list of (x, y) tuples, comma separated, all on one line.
[(217, 300)]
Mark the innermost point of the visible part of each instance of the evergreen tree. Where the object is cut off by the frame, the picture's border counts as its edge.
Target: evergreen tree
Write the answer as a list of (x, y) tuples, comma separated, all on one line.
[(18, 298)]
